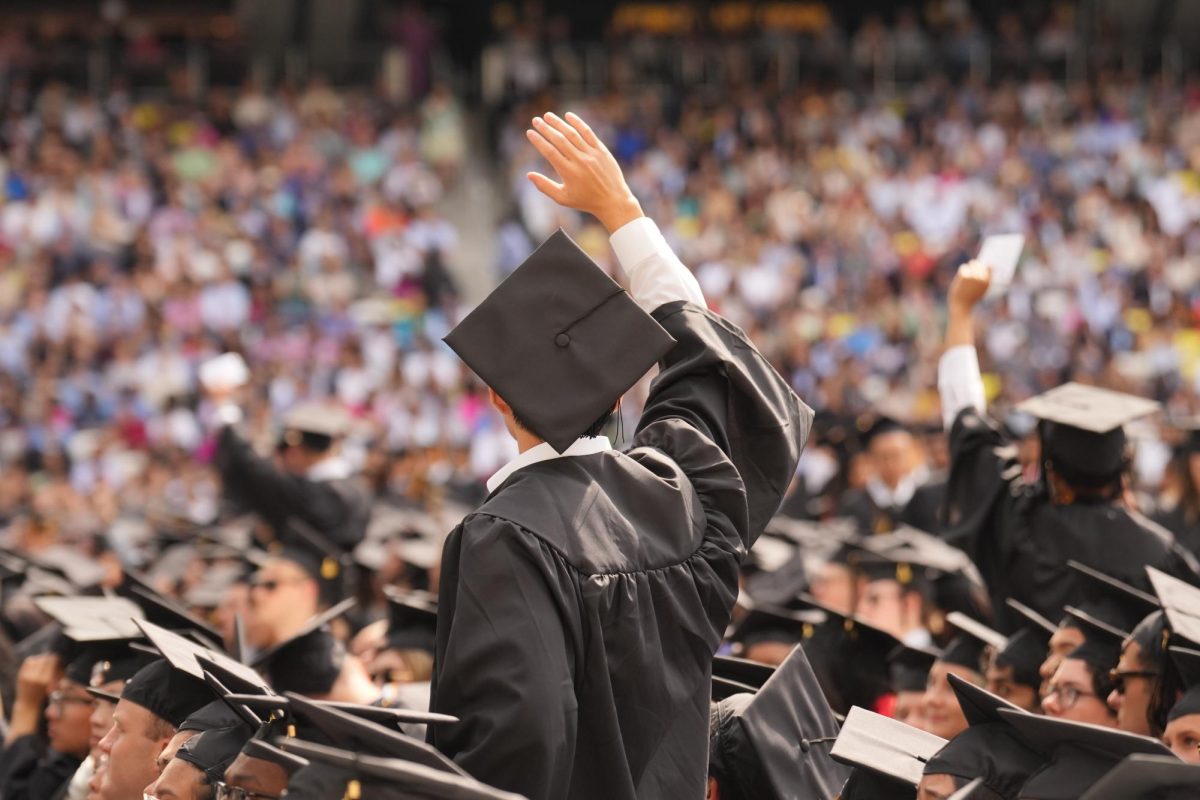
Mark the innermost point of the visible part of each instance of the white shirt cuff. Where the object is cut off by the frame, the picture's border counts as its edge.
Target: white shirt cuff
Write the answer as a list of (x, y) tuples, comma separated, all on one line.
[(656, 275), (226, 414), (960, 383)]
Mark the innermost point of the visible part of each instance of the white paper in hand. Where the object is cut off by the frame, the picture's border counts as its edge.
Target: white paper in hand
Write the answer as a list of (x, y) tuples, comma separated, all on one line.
[(1001, 252), (227, 371)]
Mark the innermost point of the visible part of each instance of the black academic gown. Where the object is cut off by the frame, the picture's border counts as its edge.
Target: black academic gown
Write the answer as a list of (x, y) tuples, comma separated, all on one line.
[(581, 604), (29, 772), (336, 509), (1178, 522), (1021, 541), (922, 511)]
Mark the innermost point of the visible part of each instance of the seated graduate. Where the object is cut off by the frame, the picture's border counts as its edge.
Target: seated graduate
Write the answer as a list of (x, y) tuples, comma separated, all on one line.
[(900, 489), (580, 606), (1182, 731), (1080, 687), (1021, 534)]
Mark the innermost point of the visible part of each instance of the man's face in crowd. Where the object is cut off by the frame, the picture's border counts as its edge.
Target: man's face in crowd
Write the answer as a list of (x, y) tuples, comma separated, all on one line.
[(834, 586), (893, 456), (1002, 683), (1133, 694), (67, 717), (282, 597), (256, 775), (133, 746), (1064, 640), (942, 714)]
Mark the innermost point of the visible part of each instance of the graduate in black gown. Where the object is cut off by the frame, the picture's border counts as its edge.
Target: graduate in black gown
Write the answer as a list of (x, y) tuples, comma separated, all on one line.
[(1021, 534), (315, 505), (581, 604), (901, 490)]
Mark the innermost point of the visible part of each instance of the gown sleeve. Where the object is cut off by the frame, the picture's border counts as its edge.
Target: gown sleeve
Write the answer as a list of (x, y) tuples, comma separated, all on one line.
[(277, 495), (509, 660), (718, 384)]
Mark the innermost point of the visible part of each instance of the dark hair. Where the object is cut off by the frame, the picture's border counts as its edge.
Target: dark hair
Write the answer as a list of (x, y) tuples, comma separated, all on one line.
[(593, 430)]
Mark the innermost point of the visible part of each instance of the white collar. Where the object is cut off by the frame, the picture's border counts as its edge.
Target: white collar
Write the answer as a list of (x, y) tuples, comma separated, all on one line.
[(329, 469), (583, 446), (885, 497)]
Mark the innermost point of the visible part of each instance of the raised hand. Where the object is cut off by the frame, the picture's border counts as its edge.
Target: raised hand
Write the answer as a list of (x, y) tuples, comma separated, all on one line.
[(590, 179), (969, 286)]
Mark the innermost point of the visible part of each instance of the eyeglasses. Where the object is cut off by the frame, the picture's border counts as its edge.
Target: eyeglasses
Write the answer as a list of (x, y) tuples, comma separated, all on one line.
[(1118, 677), (59, 698), (1068, 696), (227, 792)]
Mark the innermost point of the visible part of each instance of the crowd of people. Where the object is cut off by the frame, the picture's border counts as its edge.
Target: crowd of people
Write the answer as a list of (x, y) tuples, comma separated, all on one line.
[(233, 443)]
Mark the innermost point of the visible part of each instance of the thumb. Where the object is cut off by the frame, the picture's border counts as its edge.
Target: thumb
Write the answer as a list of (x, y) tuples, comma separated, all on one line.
[(552, 189)]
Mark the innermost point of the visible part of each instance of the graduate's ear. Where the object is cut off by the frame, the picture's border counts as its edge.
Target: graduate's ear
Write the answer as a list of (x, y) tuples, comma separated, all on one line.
[(498, 403), (714, 791)]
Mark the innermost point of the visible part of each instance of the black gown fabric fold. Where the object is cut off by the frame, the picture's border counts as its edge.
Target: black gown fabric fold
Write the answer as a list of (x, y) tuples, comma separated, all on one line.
[(581, 604)]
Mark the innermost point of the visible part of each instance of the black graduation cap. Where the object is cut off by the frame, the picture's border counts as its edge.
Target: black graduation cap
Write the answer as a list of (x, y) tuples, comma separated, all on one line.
[(1188, 662), (776, 743), (310, 661), (164, 611), (354, 774), (888, 749), (989, 748), (265, 704), (850, 656), (319, 556), (412, 621), (966, 649), (1101, 647), (1147, 778), (114, 661), (212, 751), (560, 341), (1081, 429), (193, 659), (1097, 584), (723, 689), (265, 751), (212, 716), (1033, 618), (1181, 603), (764, 623), (1078, 754), (977, 630), (742, 670), (1024, 653), (326, 725), (909, 667), (167, 693)]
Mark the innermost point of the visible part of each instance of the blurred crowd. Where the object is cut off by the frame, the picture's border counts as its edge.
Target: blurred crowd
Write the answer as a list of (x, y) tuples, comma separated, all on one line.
[(140, 237), (829, 223)]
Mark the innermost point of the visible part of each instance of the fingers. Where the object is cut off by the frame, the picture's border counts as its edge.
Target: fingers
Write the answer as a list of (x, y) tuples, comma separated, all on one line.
[(556, 138), (548, 151), (569, 132), (584, 129), (551, 189)]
